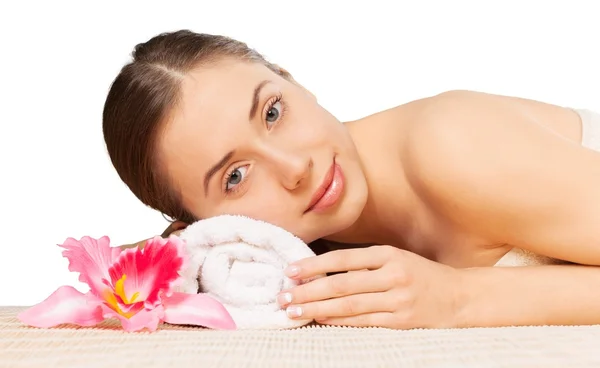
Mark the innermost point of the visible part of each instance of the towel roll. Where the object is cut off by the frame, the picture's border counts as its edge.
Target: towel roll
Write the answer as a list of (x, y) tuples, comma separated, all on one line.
[(240, 262)]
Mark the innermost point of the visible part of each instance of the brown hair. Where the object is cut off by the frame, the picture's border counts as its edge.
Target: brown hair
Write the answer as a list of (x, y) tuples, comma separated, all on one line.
[(142, 96)]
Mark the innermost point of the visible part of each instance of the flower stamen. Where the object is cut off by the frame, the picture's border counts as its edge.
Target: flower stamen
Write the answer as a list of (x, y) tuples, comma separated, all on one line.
[(120, 291)]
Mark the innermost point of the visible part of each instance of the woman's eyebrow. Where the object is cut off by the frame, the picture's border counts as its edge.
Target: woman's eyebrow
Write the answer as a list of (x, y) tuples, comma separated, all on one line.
[(215, 169), (255, 98)]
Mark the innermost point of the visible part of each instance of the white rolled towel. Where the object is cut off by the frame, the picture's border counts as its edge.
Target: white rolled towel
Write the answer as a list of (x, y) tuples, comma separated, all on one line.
[(240, 262)]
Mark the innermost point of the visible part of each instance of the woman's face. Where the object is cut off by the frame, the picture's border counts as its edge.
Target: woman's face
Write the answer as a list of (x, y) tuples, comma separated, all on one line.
[(245, 141)]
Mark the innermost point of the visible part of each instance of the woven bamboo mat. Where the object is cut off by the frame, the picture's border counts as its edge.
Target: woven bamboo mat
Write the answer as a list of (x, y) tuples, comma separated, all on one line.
[(312, 346)]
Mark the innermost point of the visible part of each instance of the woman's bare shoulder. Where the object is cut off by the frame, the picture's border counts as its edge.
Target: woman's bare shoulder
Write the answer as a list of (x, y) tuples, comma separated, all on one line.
[(491, 163), (454, 134), (458, 135), (463, 107)]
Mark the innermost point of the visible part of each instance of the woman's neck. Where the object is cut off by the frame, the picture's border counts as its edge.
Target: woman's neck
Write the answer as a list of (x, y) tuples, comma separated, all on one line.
[(379, 223), (387, 217)]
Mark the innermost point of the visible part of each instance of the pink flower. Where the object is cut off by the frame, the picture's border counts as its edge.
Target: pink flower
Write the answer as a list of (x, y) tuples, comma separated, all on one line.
[(134, 286)]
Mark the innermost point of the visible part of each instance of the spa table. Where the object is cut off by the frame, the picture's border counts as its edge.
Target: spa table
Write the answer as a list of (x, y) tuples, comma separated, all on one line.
[(312, 346)]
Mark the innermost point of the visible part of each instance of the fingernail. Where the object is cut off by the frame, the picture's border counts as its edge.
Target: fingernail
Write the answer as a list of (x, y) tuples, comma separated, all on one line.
[(293, 312), (292, 270), (284, 298)]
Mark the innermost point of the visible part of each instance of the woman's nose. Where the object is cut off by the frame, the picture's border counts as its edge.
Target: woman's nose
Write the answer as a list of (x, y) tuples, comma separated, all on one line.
[(294, 169)]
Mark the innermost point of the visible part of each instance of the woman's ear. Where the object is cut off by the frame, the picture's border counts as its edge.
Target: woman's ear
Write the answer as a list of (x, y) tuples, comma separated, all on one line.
[(287, 75)]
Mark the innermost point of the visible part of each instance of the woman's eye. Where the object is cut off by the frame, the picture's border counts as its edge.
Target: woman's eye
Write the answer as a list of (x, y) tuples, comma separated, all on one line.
[(274, 112), (236, 177)]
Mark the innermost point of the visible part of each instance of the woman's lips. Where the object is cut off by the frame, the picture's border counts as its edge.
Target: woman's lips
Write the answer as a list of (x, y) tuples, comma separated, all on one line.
[(330, 191)]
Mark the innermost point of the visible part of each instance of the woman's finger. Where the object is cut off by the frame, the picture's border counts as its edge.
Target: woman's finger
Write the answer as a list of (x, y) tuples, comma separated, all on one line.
[(351, 305), (376, 319), (340, 261), (335, 286)]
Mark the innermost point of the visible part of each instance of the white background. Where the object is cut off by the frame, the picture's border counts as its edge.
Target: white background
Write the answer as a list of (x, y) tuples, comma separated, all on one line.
[(57, 60)]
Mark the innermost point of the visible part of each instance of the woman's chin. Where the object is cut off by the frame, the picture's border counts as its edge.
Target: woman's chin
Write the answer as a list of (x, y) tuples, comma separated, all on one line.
[(341, 221)]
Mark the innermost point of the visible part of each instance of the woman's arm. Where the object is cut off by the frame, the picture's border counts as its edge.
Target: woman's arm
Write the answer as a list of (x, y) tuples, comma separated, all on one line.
[(395, 288), (492, 168), (541, 295)]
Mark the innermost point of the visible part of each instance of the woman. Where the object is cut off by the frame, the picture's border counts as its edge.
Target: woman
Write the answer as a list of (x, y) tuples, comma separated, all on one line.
[(421, 200)]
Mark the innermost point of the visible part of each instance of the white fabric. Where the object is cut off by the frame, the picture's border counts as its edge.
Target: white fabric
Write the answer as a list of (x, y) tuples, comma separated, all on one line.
[(240, 262), (520, 257), (590, 124), (590, 138)]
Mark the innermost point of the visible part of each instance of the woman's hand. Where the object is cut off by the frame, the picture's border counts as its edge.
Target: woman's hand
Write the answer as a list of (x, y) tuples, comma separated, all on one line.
[(385, 287)]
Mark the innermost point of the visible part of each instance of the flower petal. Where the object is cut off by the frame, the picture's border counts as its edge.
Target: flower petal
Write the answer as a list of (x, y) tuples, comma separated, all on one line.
[(91, 258), (65, 305), (145, 318), (197, 309), (151, 271)]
